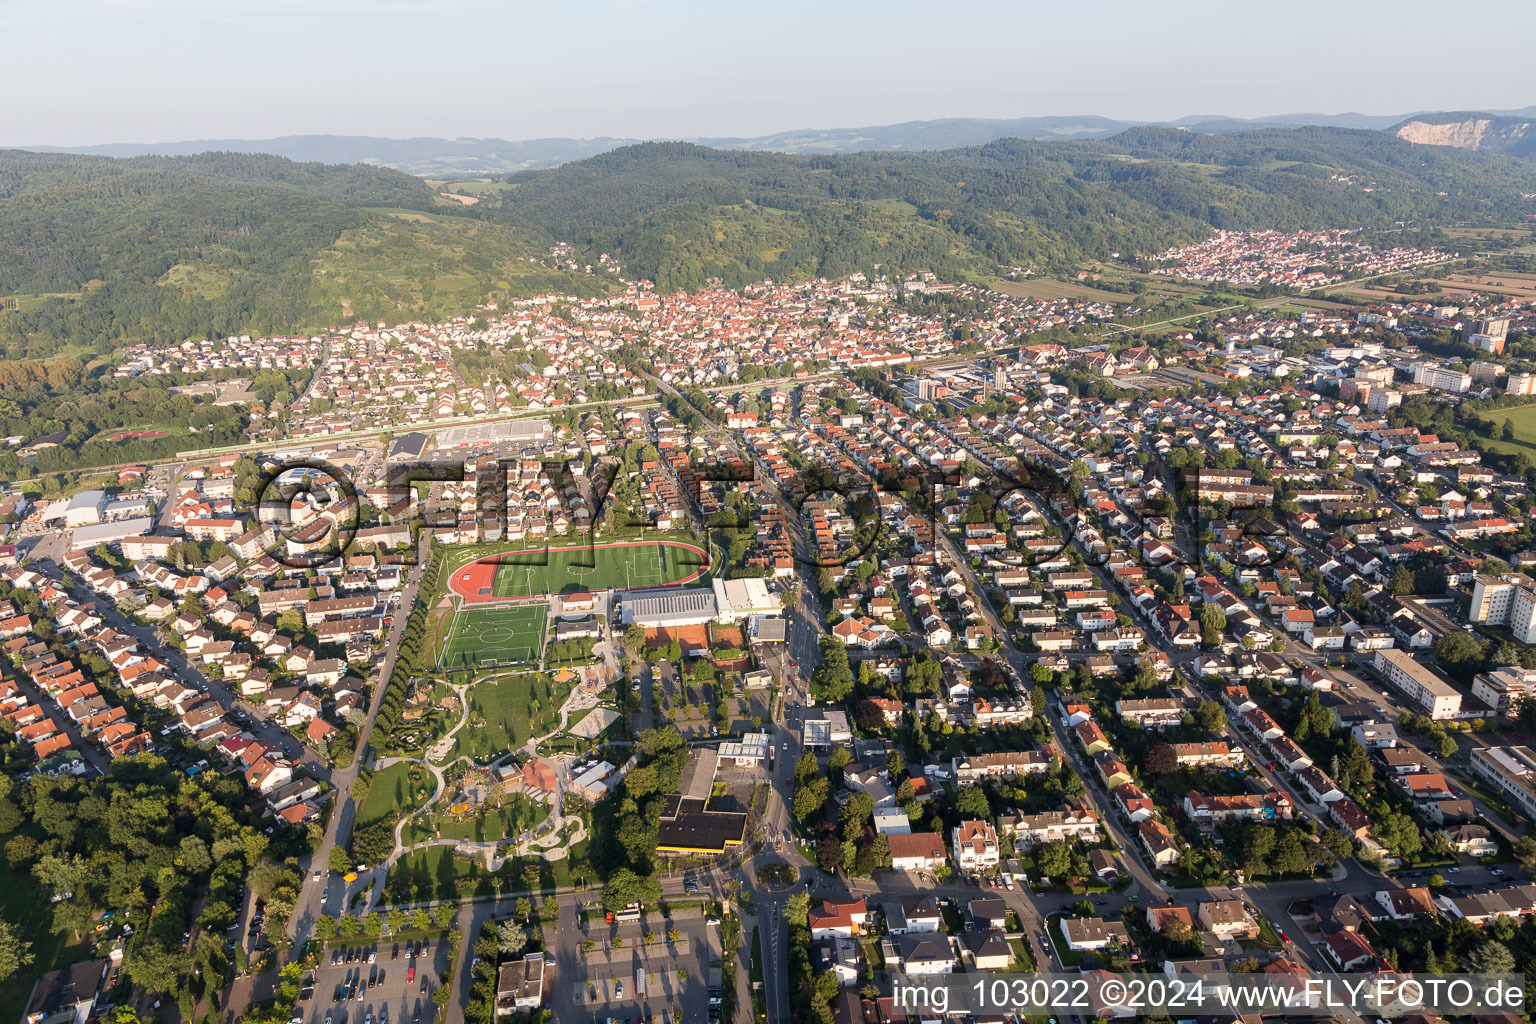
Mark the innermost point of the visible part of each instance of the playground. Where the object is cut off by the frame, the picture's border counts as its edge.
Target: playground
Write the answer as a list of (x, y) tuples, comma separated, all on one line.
[(501, 635), (625, 565)]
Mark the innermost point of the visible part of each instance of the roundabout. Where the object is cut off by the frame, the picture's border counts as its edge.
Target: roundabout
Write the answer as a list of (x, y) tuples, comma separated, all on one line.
[(777, 876)]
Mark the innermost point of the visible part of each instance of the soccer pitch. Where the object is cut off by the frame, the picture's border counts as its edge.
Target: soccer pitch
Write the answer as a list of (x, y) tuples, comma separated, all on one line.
[(625, 565), (562, 570), (482, 637)]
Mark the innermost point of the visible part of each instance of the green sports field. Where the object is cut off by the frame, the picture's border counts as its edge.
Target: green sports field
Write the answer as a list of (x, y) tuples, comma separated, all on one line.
[(558, 571), (1524, 419), (495, 635)]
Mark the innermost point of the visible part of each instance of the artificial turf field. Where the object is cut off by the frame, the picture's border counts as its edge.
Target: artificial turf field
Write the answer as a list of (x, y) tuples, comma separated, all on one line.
[(593, 568), (495, 636)]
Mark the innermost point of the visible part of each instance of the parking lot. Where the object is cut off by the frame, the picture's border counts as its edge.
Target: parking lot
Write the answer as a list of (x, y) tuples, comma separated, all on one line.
[(395, 989), (604, 988)]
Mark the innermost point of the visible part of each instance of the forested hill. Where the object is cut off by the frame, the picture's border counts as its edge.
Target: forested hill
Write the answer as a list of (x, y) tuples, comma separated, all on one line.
[(682, 214), (95, 252)]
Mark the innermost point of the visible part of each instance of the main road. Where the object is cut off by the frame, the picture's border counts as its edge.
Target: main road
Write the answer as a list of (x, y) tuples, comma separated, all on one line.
[(322, 888)]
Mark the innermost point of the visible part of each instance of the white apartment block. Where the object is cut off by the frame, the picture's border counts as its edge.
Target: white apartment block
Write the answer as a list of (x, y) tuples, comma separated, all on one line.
[(1510, 770), (1434, 696), (1503, 689), (1442, 379), (1505, 601)]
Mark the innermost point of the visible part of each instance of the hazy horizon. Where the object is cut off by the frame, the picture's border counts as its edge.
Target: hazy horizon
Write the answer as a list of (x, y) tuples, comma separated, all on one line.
[(149, 71), (769, 132)]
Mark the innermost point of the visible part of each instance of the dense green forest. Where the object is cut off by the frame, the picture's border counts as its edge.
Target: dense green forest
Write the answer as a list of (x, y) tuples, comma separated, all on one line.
[(95, 252), (682, 214)]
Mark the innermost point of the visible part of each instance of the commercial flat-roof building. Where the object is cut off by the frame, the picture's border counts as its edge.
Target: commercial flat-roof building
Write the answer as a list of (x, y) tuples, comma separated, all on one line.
[(751, 749), (517, 431), (89, 536), (690, 827), (740, 599), (688, 824)]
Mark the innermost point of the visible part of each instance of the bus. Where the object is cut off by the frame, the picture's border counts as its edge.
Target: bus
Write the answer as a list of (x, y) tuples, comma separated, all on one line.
[(640, 984)]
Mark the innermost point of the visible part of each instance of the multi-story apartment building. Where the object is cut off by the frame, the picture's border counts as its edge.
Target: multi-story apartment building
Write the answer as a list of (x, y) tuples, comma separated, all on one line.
[(1425, 687), (1442, 379), (1505, 688), (1505, 601), (1510, 770), (1064, 825)]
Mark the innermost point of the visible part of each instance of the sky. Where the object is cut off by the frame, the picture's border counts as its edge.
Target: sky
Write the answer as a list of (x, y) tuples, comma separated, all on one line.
[(83, 72)]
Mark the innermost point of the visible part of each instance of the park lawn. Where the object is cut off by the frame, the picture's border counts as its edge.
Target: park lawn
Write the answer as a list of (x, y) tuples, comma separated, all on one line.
[(393, 792), (569, 652), (504, 712), (495, 824), (1524, 419), (24, 903), (436, 871)]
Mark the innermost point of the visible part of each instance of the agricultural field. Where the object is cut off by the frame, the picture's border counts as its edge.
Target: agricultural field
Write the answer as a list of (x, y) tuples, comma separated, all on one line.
[(1043, 288), (476, 188), (1300, 306), (1482, 236), (1507, 283)]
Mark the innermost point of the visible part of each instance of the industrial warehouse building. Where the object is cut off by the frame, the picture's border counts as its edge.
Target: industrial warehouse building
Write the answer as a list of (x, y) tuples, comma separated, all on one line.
[(516, 431), (83, 509), (744, 600), (667, 609), (408, 447)]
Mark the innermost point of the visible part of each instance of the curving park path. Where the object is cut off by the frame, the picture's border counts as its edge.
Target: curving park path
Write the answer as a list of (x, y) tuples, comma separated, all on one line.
[(551, 846)]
